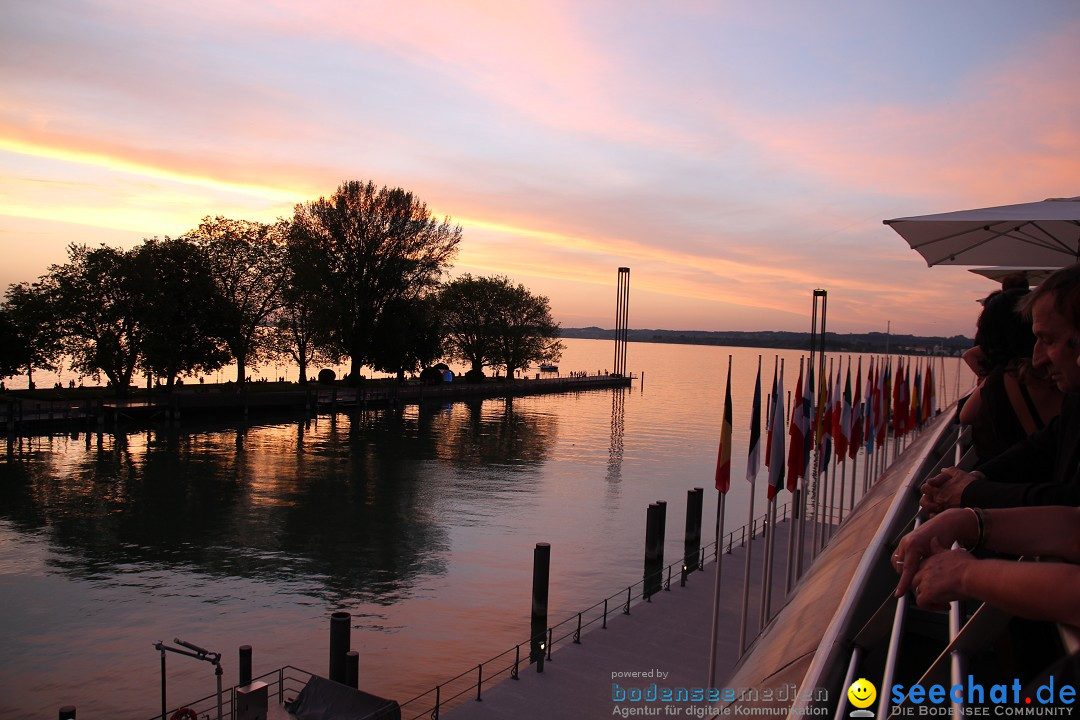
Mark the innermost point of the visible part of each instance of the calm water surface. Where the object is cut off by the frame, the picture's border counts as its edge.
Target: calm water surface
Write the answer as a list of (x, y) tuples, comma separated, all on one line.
[(419, 522)]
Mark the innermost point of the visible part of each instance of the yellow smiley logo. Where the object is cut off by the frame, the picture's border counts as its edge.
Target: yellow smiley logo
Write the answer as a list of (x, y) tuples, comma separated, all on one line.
[(862, 693)]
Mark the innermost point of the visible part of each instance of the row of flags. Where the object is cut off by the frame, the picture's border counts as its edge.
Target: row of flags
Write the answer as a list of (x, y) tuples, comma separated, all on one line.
[(838, 424)]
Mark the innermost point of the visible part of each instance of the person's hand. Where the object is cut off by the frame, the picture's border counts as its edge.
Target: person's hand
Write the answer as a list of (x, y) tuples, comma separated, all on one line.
[(944, 490), (958, 525), (940, 577)]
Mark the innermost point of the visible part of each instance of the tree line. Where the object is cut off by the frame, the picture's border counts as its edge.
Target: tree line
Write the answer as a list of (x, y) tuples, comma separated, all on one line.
[(360, 275)]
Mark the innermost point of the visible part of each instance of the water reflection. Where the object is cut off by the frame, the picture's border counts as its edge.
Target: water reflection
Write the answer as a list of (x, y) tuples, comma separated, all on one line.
[(618, 429), (344, 506)]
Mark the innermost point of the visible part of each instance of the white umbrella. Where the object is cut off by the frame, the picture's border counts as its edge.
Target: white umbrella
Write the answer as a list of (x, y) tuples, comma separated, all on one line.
[(1037, 234), (1034, 275)]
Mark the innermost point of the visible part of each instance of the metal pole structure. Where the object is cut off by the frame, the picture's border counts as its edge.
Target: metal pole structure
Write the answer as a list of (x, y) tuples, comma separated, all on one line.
[(817, 360), (622, 318), (163, 681)]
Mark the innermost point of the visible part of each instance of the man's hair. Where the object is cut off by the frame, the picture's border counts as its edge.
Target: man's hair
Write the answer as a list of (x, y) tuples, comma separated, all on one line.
[(1064, 287)]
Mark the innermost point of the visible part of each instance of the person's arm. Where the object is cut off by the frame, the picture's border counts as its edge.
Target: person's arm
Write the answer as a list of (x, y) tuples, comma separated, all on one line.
[(1052, 531), (1037, 591), (970, 410)]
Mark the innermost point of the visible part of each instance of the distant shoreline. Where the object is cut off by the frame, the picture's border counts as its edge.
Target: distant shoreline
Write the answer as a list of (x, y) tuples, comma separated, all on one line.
[(834, 342)]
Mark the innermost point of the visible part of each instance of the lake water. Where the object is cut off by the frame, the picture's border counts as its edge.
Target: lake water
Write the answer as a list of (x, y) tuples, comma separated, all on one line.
[(419, 522)]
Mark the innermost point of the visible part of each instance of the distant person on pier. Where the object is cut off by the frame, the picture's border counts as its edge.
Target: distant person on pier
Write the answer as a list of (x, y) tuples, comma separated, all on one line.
[(1013, 399), (1043, 469)]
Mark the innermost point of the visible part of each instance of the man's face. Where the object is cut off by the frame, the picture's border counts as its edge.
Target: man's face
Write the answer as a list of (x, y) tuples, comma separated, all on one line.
[(1054, 340)]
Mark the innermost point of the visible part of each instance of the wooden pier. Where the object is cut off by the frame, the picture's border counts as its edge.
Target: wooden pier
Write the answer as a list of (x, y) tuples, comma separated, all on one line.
[(23, 415)]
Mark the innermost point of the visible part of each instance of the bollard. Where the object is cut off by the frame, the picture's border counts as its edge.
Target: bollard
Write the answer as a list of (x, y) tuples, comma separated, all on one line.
[(541, 575), (653, 567), (67, 712), (661, 512), (692, 540), (339, 645), (352, 669), (245, 665)]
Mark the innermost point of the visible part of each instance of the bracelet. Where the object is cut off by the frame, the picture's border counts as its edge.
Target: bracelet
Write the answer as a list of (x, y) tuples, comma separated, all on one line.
[(982, 521)]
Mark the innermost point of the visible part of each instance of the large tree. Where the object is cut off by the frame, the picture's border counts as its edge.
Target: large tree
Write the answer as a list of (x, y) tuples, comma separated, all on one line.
[(98, 305), (295, 332), (30, 337), (248, 263), (489, 321), (408, 336), (368, 248), (180, 312)]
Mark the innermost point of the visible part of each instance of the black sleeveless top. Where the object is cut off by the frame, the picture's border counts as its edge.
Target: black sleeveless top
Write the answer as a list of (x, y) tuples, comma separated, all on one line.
[(996, 427)]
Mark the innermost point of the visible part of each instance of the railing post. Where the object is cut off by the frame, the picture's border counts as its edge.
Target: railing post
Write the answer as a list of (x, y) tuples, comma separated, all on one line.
[(577, 635), (604, 626), (479, 680), (517, 662)]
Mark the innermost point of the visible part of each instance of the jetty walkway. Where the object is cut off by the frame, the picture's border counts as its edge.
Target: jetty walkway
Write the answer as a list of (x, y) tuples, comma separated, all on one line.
[(20, 414), (665, 641)]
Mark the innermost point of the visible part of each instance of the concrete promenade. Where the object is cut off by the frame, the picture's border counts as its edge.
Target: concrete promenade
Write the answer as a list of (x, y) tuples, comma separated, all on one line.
[(665, 642)]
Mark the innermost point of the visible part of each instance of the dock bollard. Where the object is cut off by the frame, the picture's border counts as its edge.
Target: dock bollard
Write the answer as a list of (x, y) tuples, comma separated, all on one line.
[(541, 576), (245, 665), (653, 564), (352, 669), (67, 712), (662, 512), (692, 540), (340, 623)]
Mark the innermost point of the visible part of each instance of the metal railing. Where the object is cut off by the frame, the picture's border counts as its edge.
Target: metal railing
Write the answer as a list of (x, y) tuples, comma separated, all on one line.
[(285, 684), (471, 682), (858, 642)]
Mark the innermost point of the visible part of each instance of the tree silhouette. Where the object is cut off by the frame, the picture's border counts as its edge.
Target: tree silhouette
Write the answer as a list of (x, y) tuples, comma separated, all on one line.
[(367, 247), (181, 314), (489, 321), (30, 335), (97, 306), (248, 263)]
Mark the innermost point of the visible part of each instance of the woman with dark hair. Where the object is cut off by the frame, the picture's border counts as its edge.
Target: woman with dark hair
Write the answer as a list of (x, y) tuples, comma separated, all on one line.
[(1013, 399)]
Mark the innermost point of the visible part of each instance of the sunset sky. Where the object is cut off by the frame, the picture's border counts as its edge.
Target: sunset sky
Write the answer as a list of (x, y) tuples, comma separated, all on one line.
[(735, 155)]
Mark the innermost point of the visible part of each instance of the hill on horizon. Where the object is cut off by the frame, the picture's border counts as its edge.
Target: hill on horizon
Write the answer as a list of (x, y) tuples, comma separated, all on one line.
[(774, 339)]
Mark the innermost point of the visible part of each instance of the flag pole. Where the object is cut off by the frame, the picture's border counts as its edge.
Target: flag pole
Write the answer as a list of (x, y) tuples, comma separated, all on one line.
[(776, 483), (716, 594), (795, 500), (752, 463), (723, 482)]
